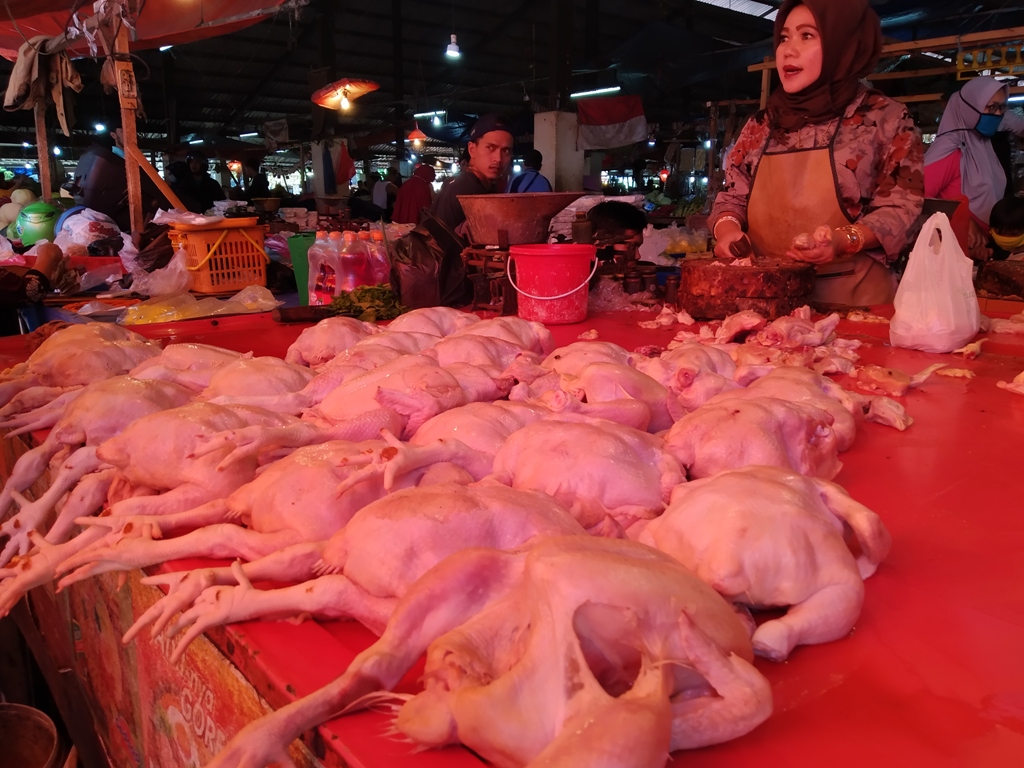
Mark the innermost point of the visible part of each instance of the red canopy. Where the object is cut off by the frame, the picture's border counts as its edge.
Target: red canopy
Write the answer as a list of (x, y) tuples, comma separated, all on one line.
[(162, 22)]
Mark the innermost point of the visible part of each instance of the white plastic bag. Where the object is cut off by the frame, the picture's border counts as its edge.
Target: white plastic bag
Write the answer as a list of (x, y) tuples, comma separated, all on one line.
[(172, 279), (936, 307)]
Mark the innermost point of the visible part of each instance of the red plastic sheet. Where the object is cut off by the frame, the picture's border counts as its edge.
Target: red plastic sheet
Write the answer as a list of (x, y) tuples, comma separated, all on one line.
[(933, 674)]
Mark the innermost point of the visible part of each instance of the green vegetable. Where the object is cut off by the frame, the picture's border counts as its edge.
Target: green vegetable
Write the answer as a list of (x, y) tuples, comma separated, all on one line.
[(369, 303)]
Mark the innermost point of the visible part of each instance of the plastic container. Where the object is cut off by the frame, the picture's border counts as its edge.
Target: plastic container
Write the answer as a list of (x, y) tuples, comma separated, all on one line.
[(353, 262), (380, 261), (225, 257), (28, 736), (298, 247), (322, 260), (552, 281)]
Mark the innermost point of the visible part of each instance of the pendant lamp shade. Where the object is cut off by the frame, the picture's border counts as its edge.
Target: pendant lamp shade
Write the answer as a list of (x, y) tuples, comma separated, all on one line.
[(416, 136), (341, 93)]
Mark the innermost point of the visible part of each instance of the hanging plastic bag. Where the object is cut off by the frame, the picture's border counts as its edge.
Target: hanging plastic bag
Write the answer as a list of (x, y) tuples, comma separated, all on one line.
[(936, 307)]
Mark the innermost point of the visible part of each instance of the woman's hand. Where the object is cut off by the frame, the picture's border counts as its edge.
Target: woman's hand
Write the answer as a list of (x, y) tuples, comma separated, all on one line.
[(729, 239), (49, 258), (821, 247), (977, 243)]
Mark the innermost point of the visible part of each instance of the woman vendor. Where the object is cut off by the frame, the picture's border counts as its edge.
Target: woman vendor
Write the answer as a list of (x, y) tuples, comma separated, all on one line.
[(962, 162), (831, 173)]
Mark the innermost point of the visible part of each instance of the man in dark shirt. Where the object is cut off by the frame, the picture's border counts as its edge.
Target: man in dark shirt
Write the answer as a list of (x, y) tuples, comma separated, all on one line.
[(490, 155)]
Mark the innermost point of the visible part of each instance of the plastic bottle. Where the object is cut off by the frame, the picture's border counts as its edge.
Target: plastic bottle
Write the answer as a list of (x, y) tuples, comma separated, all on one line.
[(379, 260), (353, 262), (582, 229), (323, 269)]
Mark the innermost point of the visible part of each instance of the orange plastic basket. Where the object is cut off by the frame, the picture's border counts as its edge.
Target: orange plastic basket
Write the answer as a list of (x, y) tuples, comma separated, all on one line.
[(223, 258)]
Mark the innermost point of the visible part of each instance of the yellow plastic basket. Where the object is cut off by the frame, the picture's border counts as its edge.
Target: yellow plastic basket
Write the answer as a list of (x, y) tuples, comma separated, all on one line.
[(223, 258)]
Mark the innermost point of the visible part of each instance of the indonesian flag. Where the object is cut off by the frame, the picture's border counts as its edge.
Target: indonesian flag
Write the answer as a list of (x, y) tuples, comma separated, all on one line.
[(611, 121)]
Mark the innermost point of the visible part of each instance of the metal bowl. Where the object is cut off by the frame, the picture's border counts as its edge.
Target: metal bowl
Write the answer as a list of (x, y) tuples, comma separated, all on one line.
[(524, 216)]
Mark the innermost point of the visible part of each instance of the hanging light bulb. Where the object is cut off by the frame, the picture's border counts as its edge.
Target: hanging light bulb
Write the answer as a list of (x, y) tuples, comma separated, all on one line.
[(416, 136), (345, 103), (453, 52), (436, 120)]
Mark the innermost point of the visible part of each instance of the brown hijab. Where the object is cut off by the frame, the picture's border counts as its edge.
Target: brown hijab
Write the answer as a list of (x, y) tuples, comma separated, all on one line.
[(851, 43)]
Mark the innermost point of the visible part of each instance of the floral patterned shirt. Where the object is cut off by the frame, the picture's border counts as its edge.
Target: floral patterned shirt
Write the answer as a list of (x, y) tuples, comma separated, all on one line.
[(879, 160)]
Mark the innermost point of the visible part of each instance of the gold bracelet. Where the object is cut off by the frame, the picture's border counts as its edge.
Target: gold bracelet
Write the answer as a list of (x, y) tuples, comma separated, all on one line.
[(854, 239)]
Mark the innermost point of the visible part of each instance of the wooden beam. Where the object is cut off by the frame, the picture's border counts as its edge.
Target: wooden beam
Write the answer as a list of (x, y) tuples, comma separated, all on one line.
[(43, 147), (902, 75), (933, 44), (145, 165), (396, 51), (127, 91)]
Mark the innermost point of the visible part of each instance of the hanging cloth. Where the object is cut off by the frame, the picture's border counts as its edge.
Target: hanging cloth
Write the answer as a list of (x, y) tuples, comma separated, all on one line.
[(43, 68)]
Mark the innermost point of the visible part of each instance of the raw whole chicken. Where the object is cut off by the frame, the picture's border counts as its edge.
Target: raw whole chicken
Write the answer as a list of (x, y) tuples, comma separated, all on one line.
[(256, 376), (795, 331), (437, 321), (76, 356), (799, 385), (525, 333), (190, 365), (291, 501), (325, 340), (693, 372), (399, 396), (493, 354), (596, 470), (603, 382), (738, 432), (101, 411), (581, 628), (1017, 385), (573, 358), (769, 538), (366, 566)]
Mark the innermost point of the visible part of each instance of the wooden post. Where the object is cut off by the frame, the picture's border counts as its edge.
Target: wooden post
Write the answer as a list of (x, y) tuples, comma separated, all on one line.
[(127, 91), (766, 81), (43, 146)]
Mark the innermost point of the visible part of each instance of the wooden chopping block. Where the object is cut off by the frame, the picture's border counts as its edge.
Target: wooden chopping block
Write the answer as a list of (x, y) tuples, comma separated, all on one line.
[(1003, 279), (713, 289)]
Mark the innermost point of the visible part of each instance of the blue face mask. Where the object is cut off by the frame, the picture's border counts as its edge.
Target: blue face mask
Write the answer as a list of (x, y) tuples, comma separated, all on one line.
[(988, 125)]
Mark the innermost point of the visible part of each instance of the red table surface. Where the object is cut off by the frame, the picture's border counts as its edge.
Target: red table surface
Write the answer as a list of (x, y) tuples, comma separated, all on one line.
[(932, 675)]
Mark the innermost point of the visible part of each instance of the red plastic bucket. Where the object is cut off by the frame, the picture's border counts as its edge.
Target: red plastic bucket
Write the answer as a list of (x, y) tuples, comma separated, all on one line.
[(552, 281)]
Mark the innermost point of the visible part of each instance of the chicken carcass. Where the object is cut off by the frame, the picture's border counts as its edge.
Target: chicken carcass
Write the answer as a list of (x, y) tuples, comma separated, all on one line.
[(101, 411), (796, 330), (255, 377), (327, 339), (438, 321), (621, 652), (573, 358), (76, 356), (362, 571), (693, 372), (769, 538), (494, 355), (525, 333), (190, 365), (737, 432), (1017, 385)]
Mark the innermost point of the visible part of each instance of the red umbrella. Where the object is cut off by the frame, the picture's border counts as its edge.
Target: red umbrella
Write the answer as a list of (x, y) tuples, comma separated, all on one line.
[(161, 22)]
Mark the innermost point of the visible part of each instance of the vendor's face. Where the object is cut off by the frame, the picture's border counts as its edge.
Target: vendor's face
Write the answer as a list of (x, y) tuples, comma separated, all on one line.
[(798, 57), (997, 104), (491, 154)]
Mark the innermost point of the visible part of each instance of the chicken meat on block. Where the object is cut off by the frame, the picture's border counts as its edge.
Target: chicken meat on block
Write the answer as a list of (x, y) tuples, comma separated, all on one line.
[(621, 653), (190, 365), (766, 537)]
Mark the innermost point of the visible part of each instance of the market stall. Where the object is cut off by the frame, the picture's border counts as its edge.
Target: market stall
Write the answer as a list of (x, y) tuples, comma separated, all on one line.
[(927, 677)]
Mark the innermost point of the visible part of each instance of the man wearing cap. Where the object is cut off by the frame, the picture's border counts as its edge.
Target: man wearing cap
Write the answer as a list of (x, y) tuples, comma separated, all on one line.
[(490, 154)]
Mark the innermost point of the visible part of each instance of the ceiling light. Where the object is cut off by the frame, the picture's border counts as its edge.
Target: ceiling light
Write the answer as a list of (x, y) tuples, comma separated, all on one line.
[(165, 48), (196, 141), (25, 144), (455, 167), (100, 127), (341, 93), (517, 168), (28, 165), (249, 135), (1016, 99), (344, 103), (707, 144), (57, 151), (416, 136), (453, 52), (436, 120), (430, 114), (595, 92)]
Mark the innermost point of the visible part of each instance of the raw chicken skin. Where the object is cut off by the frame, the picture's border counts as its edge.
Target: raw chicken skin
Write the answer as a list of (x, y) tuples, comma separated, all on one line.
[(190, 365), (525, 333), (603, 382), (793, 332), (693, 372), (573, 358), (325, 340), (767, 537), (595, 470), (438, 321), (738, 432), (256, 376), (567, 625)]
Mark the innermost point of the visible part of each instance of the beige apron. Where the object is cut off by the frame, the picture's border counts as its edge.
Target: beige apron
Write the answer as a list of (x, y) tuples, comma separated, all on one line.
[(796, 191)]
